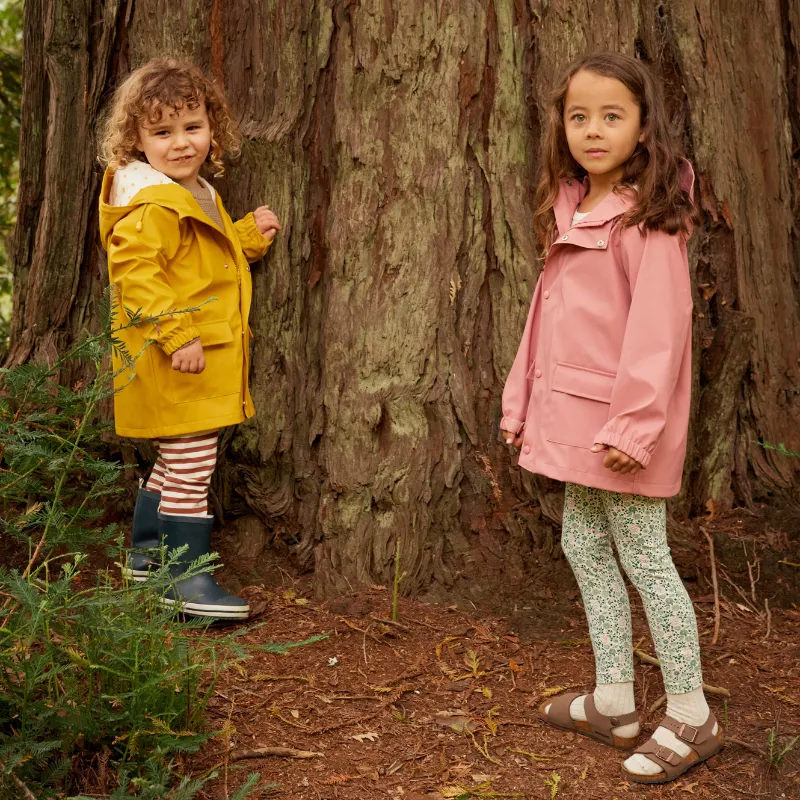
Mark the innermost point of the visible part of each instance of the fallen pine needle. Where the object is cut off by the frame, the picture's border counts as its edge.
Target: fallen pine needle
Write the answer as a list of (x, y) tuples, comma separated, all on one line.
[(484, 751), (281, 752)]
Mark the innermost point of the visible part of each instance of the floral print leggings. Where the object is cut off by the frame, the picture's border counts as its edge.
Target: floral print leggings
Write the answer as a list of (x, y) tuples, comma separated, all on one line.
[(638, 526)]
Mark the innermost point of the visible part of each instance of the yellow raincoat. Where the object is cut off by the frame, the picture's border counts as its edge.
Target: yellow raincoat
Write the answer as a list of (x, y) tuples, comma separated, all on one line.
[(165, 254)]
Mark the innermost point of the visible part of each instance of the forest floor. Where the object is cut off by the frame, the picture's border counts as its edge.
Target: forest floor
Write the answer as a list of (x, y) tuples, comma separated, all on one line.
[(442, 704)]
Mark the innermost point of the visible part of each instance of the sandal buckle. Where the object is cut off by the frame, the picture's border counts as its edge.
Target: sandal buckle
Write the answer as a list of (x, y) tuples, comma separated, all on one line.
[(665, 754), (682, 733)]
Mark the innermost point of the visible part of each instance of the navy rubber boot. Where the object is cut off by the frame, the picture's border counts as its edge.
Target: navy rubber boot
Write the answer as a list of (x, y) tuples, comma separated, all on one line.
[(200, 595), (144, 536)]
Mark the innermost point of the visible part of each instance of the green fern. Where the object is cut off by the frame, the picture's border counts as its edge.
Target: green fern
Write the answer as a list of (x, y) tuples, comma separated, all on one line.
[(88, 673)]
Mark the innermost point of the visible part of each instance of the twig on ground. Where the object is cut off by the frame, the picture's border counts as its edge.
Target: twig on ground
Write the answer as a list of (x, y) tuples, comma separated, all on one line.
[(345, 723), (262, 676), (348, 697), (281, 752), (424, 624), (769, 617), (276, 713), (648, 659), (365, 631), (710, 541), (658, 703), (740, 791), (364, 717), (753, 581), (750, 747), (517, 723), (718, 691), (387, 621), (740, 657), (740, 592)]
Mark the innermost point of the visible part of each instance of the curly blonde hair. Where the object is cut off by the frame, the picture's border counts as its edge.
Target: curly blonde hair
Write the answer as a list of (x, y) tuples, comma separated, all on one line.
[(144, 95)]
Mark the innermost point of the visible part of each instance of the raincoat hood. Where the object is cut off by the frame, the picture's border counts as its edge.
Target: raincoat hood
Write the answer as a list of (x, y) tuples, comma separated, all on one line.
[(138, 184)]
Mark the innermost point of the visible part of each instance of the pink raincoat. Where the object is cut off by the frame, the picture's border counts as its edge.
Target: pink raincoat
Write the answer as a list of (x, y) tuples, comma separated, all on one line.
[(606, 355)]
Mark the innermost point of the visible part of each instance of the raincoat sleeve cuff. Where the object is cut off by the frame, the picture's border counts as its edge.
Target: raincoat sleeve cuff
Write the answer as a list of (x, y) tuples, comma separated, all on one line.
[(254, 245), (179, 339), (627, 446), (511, 425)]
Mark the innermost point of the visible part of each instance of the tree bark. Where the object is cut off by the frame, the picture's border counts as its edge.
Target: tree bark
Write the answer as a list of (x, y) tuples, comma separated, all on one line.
[(397, 142)]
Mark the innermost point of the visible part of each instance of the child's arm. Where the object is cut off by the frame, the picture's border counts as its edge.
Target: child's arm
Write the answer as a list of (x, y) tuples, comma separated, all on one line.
[(138, 252), (517, 391), (256, 232), (657, 339)]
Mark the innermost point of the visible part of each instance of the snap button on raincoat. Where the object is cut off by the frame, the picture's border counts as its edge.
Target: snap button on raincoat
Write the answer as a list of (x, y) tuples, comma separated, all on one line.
[(165, 254), (606, 355)]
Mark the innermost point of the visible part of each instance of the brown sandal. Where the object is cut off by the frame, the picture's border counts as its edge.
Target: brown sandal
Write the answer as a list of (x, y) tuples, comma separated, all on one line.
[(597, 726), (702, 742)]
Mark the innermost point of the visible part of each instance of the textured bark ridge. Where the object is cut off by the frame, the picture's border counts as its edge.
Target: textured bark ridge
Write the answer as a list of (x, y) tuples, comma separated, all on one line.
[(397, 142)]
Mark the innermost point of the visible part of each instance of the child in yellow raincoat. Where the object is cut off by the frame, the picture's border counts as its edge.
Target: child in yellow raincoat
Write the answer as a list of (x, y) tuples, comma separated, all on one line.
[(172, 246)]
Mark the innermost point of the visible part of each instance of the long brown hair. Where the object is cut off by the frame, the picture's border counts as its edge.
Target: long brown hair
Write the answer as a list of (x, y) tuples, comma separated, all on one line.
[(651, 173), (161, 84)]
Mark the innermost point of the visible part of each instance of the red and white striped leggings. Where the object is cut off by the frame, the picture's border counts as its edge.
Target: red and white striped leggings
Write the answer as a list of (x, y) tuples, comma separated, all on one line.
[(183, 472)]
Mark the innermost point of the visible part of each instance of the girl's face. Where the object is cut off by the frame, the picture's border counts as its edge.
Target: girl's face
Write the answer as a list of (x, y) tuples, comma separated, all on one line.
[(178, 144), (602, 121)]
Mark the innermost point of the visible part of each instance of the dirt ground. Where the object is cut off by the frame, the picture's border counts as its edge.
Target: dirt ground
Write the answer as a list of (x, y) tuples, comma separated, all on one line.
[(442, 705)]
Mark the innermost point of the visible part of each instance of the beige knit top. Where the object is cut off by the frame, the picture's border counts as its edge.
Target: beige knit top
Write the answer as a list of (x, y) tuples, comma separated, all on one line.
[(205, 199)]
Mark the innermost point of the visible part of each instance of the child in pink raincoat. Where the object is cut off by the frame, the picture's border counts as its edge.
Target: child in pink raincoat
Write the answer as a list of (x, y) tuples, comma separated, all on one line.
[(599, 394)]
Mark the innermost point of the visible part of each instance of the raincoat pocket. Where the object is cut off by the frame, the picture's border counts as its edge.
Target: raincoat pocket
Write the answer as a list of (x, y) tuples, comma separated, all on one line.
[(579, 404), (220, 353)]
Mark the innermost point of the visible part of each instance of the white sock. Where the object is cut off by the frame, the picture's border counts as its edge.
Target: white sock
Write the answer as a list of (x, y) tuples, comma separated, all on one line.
[(610, 699), (690, 708)]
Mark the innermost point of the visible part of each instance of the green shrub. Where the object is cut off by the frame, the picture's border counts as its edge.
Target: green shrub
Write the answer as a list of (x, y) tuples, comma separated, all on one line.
[(99, 686)]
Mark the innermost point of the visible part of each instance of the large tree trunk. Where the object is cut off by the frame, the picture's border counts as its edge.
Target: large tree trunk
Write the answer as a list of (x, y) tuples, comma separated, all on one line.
[(397, 141)]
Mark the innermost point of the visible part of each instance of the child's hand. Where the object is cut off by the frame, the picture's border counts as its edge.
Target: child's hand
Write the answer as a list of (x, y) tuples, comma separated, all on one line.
[(189, 358), (617, 461), (513, 439), (267, 222)]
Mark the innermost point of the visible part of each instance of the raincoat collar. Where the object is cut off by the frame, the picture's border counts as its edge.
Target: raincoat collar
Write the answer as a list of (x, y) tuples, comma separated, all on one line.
[(613, 205), (593, 230), (156, 190)]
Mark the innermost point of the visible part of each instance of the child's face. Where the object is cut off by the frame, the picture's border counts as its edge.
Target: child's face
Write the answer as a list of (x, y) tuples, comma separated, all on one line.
[(602, 121), (178, 144)]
